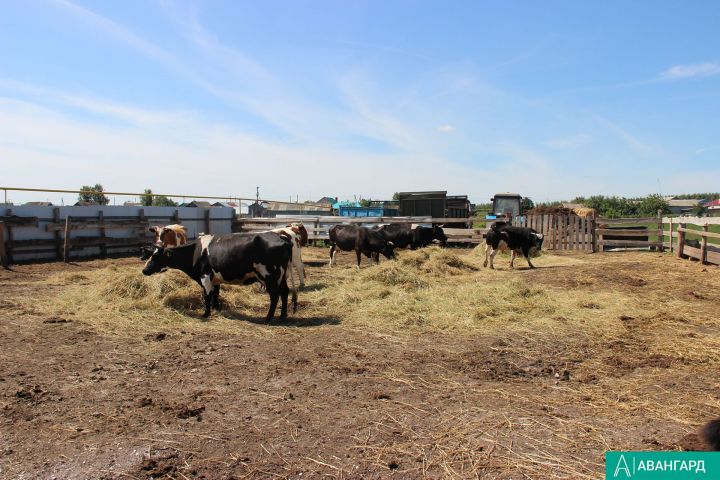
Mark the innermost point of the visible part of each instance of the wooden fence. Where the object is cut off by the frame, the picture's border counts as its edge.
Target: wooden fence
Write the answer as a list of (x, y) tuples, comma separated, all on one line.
[(562, 232), (678, 243), (82, 231), (63, 233), (629, 233)]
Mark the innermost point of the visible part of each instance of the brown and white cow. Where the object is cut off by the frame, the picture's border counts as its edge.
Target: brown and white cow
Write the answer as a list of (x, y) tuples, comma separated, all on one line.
[(170, 235), (298, 237)]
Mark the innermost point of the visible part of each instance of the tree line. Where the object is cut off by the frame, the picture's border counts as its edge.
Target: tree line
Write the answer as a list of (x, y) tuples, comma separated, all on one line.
[(96, 194)]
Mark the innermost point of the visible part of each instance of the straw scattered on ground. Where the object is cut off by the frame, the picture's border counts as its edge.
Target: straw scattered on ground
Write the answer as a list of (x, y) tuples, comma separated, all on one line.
[(429, 365)]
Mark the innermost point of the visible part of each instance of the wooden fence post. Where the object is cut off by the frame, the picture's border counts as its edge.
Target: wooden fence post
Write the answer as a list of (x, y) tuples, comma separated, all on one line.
[(660, 230), (207, 221), (598, 240), (317, 225), (3, 255), (66, 246), (703, 246), (58, 237), (671, 234), (681, 240), (103, 245), (9, 250)]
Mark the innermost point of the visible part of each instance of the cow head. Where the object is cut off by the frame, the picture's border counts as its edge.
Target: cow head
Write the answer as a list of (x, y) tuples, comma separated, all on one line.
[(158, 261), (300, 230), (538, 240), (157, 231), (389, 250), (439, 235)]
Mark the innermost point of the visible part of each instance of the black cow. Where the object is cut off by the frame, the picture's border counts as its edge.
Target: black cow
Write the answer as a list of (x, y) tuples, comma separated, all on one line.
[(516, 239), (361, 239), (403, 235), (235, 258), (711, 434)]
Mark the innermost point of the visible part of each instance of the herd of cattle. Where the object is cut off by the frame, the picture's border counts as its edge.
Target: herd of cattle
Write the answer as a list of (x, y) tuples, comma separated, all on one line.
[(270, 257)]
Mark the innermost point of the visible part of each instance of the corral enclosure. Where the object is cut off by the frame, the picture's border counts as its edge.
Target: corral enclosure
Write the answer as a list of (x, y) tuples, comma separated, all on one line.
[(428, 366)]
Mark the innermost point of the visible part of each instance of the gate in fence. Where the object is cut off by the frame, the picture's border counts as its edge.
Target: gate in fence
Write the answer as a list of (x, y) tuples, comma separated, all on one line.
[(562, 232)]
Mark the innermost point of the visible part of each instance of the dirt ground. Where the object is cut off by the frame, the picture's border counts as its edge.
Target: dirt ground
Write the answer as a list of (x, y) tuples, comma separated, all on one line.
[(322, 396)]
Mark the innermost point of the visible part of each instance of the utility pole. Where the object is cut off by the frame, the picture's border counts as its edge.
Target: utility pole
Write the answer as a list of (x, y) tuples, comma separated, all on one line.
[(257, 194)]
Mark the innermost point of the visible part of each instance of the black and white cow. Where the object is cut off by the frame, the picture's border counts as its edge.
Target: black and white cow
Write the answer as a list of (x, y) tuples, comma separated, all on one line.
[(235, 258), (363, 240), (503, 237), (403, 235)]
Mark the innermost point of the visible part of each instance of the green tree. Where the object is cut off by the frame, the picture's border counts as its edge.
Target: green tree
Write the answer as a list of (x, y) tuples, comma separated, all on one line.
[(527, 204), (699, 210), (93, 194), (396, 196), (163, 201), (148, 199), (650, 205), (365, 202)]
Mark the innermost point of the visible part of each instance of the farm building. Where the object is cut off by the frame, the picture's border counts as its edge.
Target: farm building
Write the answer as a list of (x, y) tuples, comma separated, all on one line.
[(274, 209), (713, 208), (327, 201), (377, 208), (436, 204), (679, 206)]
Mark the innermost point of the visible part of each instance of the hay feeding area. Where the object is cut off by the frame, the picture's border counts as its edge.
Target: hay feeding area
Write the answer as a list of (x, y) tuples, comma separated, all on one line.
[(427, 366)]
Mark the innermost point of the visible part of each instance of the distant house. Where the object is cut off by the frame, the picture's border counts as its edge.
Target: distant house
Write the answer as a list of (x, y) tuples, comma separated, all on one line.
[(196, 204), (713, 208), (680, 206), (327, 201), (39, 204)]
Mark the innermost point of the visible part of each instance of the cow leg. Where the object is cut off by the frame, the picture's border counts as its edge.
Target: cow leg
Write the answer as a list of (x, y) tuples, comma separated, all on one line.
[(492, 257), (272, 290), (487, 252), (208, 288), (512, 259), (333, 251), (526, 253), (298, 263), (284, 290), (216, 298), (357, 252), (376, 257)]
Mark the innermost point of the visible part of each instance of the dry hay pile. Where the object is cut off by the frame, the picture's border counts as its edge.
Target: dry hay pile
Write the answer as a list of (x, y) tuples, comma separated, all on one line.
[(431, 288), (542, 210)]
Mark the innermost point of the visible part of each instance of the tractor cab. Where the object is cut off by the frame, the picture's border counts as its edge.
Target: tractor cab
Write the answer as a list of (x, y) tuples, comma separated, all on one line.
[(505, 205)]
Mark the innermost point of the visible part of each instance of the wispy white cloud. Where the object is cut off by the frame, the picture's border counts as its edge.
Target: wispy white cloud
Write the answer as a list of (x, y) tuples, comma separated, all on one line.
[(446, 128), (636, 145), (705, 69), (570, 142)]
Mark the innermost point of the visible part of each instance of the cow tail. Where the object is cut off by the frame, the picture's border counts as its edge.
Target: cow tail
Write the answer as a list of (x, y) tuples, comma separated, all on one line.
[(292, 286)]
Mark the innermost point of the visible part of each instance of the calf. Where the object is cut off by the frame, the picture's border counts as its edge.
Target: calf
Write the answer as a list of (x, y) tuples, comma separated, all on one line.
[(170, 235), (403, 235), (235, 258), (361, 239), (298, 237), (516, 239)]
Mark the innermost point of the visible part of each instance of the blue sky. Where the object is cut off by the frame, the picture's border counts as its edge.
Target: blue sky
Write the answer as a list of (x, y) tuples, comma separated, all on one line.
[(312, 98)]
